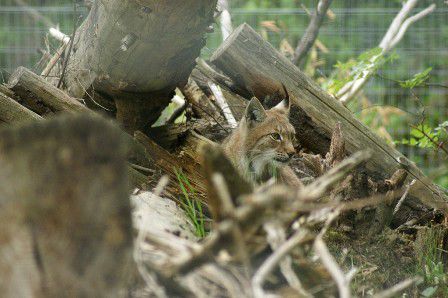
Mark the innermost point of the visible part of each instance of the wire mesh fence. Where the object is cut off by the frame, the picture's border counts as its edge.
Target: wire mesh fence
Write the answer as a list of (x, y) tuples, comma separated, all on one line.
[(355, 26)]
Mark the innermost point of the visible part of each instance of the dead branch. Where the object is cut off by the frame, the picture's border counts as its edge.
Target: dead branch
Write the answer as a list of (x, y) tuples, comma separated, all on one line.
[(225, 19), (398, 288), (276, 237), (307, 40), (342, 280), (393, 35), (269, 264)]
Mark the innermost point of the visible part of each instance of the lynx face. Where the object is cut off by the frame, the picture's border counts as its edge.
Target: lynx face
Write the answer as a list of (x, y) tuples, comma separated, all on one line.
[(263, 142), (270, 137)]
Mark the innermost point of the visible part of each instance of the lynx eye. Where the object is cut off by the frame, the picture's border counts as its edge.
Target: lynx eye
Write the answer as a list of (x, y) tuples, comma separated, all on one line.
[(276, 136)]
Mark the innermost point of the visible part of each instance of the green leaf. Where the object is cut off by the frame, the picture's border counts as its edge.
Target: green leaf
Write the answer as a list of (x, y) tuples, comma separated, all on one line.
[(366, 56), (417, 80), (417, 133)]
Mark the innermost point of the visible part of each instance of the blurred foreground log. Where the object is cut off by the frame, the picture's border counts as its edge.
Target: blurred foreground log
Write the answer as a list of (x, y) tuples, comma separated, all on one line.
[(257, 68), (65, 210)]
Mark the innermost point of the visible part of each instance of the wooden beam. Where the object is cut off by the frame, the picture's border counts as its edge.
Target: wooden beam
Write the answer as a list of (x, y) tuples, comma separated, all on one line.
[(254, 64)]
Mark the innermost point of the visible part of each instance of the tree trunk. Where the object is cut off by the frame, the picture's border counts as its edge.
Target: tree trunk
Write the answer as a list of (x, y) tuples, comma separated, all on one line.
[(258, 68), (137, 52)]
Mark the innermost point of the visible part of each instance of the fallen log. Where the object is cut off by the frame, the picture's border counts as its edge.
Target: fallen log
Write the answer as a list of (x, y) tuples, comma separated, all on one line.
[(11, 111), (32, 87), (255, 66)]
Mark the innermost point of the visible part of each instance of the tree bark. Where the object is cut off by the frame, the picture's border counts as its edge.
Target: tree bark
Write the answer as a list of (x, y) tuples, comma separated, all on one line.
[(138, 51), (311, 32), (256, 66), (33, 88), (65, 210), (11, 111)]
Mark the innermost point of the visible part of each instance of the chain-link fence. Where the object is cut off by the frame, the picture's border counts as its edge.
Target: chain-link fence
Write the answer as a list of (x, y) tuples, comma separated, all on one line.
[(352, 28)]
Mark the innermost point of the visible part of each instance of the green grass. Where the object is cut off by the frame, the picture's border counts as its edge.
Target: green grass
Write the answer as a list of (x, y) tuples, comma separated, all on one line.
[(429, 252), (191, 203)]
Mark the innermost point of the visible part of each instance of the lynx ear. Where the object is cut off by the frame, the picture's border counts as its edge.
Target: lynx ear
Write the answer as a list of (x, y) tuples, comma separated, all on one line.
[(255, 111), (285, 104)]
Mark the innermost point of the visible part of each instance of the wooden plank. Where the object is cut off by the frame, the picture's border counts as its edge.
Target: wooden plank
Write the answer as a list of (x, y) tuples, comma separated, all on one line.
[(254, 64)]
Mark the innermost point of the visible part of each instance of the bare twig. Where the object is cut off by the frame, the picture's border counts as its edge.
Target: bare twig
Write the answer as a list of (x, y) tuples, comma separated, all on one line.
[(398, 288), (393, 35), (222, 103), (75, 27), (311, 32), (271, 262), (225, 19), (229, 209), (321, 185), (403, 197), (54, 60), (276, 237), (342, 280)]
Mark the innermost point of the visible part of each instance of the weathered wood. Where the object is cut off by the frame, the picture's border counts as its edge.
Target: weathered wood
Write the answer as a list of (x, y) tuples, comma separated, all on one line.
[(11, 111), (125, 50), (256, 66), (172, 165), (65, 216), (200, 103), (28, 85)]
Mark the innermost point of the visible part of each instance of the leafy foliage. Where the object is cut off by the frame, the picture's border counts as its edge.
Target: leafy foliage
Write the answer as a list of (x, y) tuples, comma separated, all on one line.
[(417, 80), (367, 62), (424, 136)]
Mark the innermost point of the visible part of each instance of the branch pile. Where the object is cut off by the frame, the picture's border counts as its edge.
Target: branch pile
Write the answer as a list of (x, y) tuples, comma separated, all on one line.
[(263, 240)]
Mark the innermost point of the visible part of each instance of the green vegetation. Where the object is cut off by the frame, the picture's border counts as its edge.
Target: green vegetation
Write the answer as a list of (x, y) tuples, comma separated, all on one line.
[(431, 258), (191, 203)]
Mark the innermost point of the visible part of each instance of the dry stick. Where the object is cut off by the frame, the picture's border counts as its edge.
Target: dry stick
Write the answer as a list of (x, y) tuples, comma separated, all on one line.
[(311, 32), (393, 35), (276, 237), (54, 60), (271, 262), (225, 19), (222, 103), (75, 27), (250, 214), (398, 288), (317, 188), (320, 248), (403, 197), (229, 208)]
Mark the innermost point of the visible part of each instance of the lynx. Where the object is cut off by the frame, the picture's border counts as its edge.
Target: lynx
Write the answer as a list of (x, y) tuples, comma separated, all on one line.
[(262, 144)]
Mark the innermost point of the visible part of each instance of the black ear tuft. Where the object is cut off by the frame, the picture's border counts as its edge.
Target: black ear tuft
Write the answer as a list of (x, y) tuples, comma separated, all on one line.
[(285, 104), (255, 111)]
